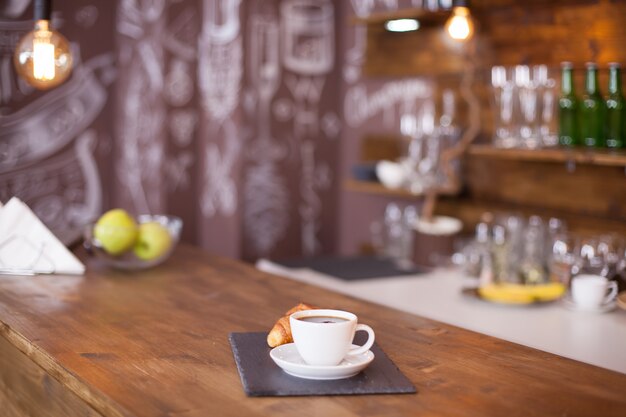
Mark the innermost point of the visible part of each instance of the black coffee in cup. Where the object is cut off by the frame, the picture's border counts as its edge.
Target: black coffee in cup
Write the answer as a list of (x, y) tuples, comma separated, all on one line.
[(322, 319)]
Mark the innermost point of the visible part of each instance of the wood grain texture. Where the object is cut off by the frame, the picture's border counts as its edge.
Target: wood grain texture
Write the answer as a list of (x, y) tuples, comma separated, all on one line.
[(27, 390), (155, 343), (470, 211), (578, 155), (372, 187), (508, 33)]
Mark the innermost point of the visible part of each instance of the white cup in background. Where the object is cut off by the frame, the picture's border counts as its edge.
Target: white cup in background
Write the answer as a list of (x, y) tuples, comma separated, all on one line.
[(324, 337), (593, 291)]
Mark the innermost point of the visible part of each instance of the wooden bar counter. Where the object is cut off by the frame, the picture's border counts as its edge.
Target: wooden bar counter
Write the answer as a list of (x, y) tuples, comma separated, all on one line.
[(155, 343)]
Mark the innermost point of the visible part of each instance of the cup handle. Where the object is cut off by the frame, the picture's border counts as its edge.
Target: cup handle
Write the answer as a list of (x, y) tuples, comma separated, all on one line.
[(367, 345), (611, 295)]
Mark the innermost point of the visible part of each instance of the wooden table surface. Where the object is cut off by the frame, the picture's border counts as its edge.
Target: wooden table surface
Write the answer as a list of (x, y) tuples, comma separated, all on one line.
[(155, 343)]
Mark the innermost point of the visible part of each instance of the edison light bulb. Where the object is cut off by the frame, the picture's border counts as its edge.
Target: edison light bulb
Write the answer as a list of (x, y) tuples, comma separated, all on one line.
[(460, 26), (43, 57)]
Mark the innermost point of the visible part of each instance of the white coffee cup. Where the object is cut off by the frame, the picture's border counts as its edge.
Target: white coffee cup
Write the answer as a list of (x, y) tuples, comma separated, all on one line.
[(590, 291), (324, 337)]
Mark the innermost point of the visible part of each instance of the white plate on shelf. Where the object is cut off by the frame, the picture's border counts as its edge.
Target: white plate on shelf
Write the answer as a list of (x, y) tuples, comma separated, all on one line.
[(287, 357), (569, 304)]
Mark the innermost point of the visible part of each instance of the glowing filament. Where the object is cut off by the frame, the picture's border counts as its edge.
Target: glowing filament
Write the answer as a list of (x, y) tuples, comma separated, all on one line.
[(460, 26), (43, 56)]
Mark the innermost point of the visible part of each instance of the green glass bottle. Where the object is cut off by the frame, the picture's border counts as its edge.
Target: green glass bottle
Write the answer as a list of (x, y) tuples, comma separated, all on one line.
[(615, 110), (568, 108), (592, 110)]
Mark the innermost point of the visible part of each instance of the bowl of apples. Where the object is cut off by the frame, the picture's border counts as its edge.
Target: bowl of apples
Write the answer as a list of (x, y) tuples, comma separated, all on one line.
[(133, 243)]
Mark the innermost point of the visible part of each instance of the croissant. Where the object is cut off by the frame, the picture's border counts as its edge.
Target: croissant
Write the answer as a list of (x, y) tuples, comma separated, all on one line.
[(281, 332)]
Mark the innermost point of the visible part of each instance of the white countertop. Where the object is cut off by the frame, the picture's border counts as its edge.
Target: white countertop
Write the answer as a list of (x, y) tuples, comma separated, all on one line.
[(597, 339)]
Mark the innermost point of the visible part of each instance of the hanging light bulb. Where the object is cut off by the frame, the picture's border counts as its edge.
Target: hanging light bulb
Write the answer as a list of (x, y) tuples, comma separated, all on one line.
[(460, 26), (42, 57)]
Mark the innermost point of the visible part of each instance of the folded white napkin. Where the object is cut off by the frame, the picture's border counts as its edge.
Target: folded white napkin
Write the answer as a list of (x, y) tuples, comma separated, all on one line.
[(26, 244)]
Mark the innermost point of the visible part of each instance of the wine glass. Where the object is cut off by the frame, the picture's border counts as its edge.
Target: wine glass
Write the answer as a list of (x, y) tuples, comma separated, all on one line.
[(503, 91)]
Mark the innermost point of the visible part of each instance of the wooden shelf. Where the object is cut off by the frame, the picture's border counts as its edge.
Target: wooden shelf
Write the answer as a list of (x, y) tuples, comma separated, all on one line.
[(470, 212), (376, 188), (601, 157), (371, 187), (425, 17)]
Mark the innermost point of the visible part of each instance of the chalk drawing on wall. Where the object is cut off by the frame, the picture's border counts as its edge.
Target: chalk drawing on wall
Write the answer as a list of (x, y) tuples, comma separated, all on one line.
[(331, 125), (12, 88), (308, 52), (282, 109), (13, 9), (219, 193), (182, 125), (179, 88), (140, 129), (360, 104), (46, 145), (220, 56), (220, 70), (355, 54), (308, 36), (178, 83), (315, 178), (266, 198), (221, 20), (65, 190), (306, 93), (177, 168), (86, 16), (46, 125)]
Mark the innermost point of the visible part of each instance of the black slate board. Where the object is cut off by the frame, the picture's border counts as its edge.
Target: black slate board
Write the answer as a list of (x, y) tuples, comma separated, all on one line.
[(353, 268), (261, 377)]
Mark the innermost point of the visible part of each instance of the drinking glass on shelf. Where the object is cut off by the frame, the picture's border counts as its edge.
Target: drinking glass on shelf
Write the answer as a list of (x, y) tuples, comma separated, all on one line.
[(532, 266), (591, 260), (556, 228), (515, 226), (423, 153), (503, 87), (429, 163), (393, 231), (563, 257), (448, 134), (548, 124), (526, 83), (409, 218), (611, 249)]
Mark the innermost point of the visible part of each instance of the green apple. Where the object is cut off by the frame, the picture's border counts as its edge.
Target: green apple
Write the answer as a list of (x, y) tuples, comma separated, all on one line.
[(153, 241), (116, 231)]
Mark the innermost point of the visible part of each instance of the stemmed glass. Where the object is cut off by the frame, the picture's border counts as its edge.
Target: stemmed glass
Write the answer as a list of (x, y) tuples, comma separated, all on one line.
[(503, 93), (428, 164)]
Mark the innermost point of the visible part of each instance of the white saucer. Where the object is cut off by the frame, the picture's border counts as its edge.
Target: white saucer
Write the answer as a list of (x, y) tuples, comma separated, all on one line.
[(569, 304), (287, 357)]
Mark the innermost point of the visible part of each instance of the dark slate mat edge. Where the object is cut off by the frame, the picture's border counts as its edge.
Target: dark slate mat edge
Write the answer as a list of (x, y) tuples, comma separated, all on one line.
[(408, 389)]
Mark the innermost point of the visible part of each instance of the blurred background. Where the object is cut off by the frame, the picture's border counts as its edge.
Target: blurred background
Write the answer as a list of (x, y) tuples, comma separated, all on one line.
[(259, 122)]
